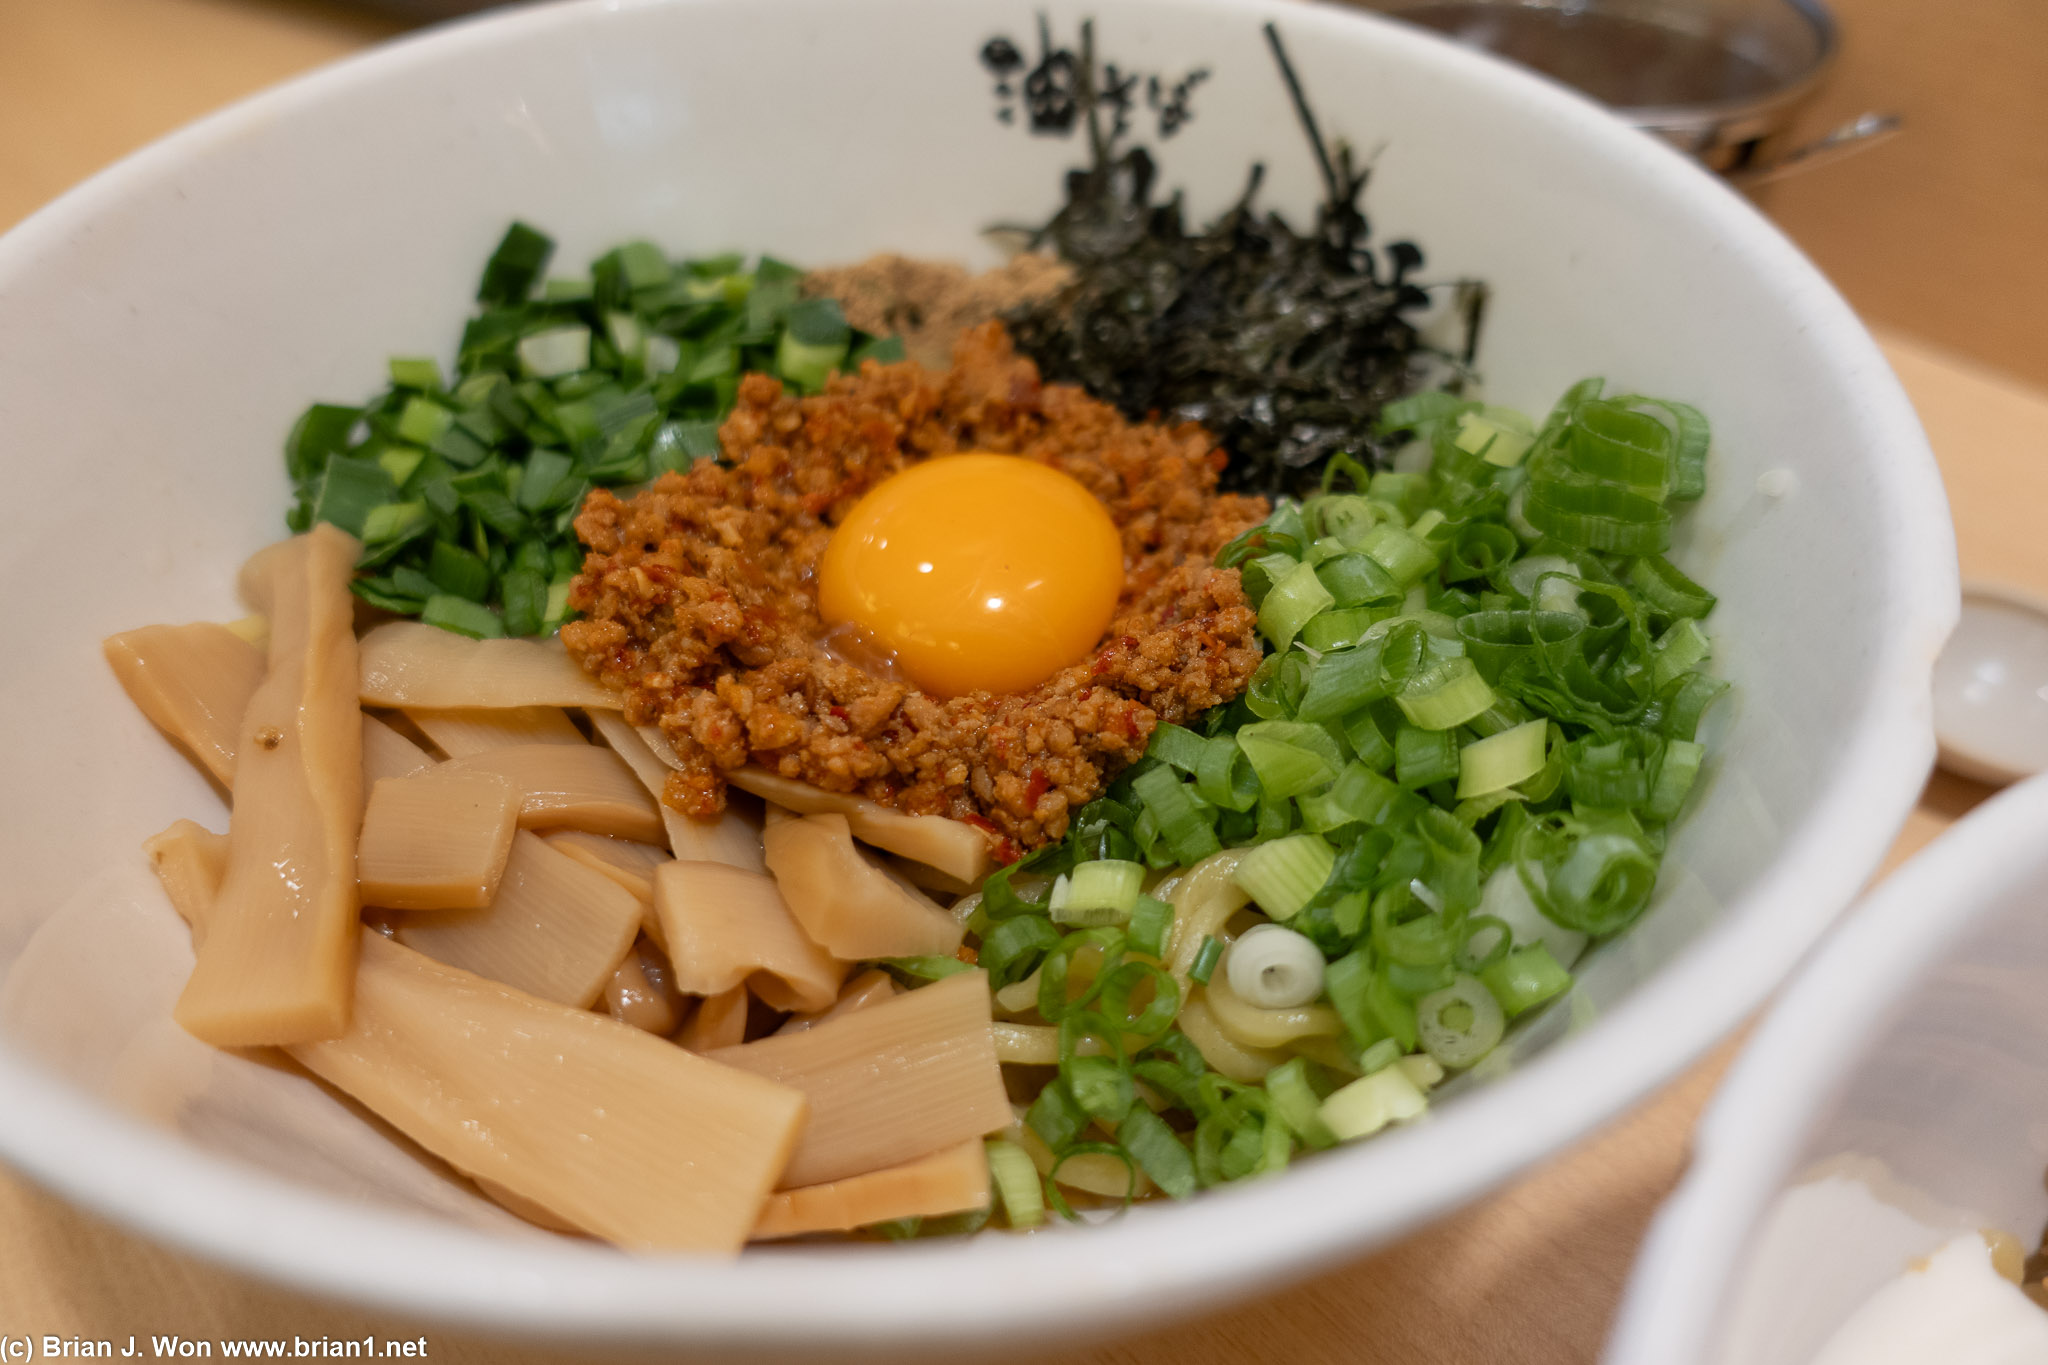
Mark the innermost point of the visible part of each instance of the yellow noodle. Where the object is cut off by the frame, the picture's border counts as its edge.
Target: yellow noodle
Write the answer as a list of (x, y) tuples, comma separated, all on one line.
[(193, 682), (600, 1125), (582, 787), (437, 840), (725, 926), (1039, 1044), (1236, 1061), (846, 900), (189, 859), (733, 838), (1204, 898), (1091, 1172), (556, 930), (720, 1021), (1246, 1023), (408, 663), (890, 1083), (1026, 1044), (278, 963), (953, 847), (954, 1180), (461, 733)]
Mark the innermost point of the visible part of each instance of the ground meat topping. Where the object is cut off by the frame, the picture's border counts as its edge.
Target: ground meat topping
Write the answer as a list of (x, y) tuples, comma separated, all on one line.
[(699, 601)]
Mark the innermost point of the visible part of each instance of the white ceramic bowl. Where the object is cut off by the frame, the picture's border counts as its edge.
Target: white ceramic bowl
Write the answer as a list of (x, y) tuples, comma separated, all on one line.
[(1895, 1097), (163, 324)]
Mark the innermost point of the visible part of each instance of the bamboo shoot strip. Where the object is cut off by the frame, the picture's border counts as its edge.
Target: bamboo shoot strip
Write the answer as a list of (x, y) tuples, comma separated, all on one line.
[(278, 964), (189, 859), (726, 926), (608, 1128), (954, 1180), (871, 987), (600, 853), (955, 848), (847, 901), (580, 1119), (193, 682), (437, 840), (469, 731), (557, 929), (386, 753), (890, 1083), (585, 787), (409, 664), (733, 838), (720, 1021)]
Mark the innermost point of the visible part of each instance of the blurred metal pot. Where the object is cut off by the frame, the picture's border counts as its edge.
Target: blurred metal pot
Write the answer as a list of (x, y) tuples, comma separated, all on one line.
[(1720, 79)]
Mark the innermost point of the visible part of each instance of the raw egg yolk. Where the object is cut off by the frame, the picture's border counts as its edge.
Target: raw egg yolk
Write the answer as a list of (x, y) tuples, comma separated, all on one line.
[(981, 572)]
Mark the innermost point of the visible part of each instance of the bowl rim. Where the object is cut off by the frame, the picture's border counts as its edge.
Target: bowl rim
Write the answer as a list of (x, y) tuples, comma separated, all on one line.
[(1755, 1129), (1161, 1260)]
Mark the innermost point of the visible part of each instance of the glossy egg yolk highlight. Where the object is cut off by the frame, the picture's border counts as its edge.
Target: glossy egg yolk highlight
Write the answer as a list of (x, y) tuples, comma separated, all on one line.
[(981, 572)]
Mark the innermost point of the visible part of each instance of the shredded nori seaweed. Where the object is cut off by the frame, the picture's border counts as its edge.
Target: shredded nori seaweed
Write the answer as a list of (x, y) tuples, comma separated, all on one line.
[(1285, 345)]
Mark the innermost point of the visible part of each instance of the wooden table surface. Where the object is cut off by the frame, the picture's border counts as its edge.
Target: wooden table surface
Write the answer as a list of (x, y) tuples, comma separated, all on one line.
[(1530, 1274)]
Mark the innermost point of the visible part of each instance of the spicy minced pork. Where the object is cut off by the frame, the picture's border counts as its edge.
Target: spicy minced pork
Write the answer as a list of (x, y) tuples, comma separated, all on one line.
[(698, 598)]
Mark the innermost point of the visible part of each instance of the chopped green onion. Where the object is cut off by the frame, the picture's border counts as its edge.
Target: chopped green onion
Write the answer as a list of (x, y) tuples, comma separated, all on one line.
[(395, 521), (1372, 1102), (1379, 1056), (1177, 747), (1405, 557), (1158, 1152), (1680, 649), (1055, 1117), (932, 967), (1189, 835), (1460, 1023), (423, 421), (1296, 1103), (349, 490), (1103, 891), (522, 254), (462, 616), (1150, 922), (1666, 590), (1016, 1181), (1206, 958), (1291, 602), (555, 352), (1283, 874), (1290, 757), (1445, 696), (814, 343), (1675, 777), (1274, 968), (1424, 757), (1525, 979), (1501, 760), (415, 372), (1100, 1085), (1339, 627)]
